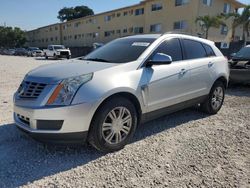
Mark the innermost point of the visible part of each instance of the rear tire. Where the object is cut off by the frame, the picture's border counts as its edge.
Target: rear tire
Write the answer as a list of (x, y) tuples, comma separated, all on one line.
[(215, 100), (46, 57), (113, 125)]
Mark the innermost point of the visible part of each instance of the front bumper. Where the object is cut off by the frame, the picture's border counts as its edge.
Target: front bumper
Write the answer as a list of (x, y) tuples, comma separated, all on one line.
[(58, 124)]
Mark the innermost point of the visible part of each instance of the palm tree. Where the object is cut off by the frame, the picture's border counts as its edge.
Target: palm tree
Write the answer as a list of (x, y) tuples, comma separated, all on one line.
[(206, 22), (240, 19)]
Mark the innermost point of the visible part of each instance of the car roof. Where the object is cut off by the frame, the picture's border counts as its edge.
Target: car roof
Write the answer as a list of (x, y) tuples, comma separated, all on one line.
[(150, 36), (156, 36)]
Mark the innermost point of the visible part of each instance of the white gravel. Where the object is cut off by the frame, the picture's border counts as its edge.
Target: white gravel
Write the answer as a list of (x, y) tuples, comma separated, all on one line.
[(185, 149)]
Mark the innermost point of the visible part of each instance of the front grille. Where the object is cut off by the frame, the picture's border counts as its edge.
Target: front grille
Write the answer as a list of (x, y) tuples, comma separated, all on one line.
[(24, 119), (30, 89), (64, 53)]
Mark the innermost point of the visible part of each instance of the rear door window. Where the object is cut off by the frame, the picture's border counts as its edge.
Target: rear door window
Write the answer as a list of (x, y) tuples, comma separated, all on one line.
[(209, 50), (193, 49)]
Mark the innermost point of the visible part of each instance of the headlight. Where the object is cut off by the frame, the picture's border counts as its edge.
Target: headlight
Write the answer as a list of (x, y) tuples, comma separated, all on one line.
[(66, 90)]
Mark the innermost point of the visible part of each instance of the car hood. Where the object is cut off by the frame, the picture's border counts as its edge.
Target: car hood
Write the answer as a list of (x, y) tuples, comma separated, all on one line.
[(54, 73)]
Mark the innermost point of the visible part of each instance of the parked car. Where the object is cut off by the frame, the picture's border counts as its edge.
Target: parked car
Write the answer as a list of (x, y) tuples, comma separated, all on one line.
[(240, 66), (34, 52), (57, 51), (9, 51), (20, 52), (102, 97)]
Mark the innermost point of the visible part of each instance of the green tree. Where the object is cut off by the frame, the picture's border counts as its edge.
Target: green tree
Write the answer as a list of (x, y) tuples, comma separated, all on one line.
[(66, 14), (207, 22), (240, 19), (11, 37)]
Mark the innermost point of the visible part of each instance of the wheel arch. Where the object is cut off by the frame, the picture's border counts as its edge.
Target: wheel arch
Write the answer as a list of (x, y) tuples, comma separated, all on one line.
[(126, 95), (222, 79)]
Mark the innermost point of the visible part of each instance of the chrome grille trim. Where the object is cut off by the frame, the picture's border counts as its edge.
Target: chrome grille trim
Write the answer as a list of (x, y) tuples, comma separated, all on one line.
[(30, 89)]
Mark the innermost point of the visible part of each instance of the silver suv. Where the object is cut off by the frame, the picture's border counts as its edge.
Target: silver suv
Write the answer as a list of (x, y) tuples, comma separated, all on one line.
[(101, 98)]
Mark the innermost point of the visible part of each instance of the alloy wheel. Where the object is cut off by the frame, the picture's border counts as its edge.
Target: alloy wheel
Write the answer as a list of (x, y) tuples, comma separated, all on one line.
[(117, 125)]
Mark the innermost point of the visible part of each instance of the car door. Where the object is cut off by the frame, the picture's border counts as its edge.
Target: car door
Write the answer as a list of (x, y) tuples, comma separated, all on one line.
[(199, 63), (50, 51), (167, 84)]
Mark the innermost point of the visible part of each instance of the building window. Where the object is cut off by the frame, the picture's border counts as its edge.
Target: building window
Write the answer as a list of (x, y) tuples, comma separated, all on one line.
[(125, 13), (155, 28), (56, 28), (156, 7), (181, 2), (51, 39), (131, 29), (139, 11), (75, 37), (64, 27), (107, 18), (125, 30), (180, 25), (226, 8), (56, 38), (118, 14), (207, 2), (89, 35), (138, 30), (224, 30), (77, 24), (109, 33), (118, 31)]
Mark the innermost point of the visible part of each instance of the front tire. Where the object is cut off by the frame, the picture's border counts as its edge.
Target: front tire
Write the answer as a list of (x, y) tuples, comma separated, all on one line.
[(113, 125), (215, 100)]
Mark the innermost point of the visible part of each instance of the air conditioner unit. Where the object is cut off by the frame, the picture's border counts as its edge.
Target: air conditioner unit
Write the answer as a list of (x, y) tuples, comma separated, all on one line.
[(224, 45)]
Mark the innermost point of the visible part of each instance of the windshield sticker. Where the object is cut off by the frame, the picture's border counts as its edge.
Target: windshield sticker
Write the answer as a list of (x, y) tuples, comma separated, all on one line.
[(145, 44)]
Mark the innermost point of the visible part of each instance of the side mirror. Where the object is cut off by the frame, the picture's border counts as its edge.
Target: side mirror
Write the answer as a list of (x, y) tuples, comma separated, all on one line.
[(159, 59)]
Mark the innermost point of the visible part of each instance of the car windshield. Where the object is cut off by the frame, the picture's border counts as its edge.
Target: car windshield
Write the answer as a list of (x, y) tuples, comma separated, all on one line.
[(121, 50), (244, 53), (59, 47)]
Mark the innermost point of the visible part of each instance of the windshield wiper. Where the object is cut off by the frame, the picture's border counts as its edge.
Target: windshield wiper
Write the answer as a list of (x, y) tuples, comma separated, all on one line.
[(97, 59)]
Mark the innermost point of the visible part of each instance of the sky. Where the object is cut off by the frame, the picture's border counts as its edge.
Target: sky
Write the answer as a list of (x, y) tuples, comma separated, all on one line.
[(31, 14)]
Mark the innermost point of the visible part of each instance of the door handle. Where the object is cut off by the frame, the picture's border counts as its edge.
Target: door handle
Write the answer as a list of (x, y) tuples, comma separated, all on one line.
[(210, 64), (183, 72)]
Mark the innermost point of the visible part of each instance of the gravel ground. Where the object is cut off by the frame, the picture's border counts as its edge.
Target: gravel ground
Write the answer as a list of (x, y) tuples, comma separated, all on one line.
[(185, 149)]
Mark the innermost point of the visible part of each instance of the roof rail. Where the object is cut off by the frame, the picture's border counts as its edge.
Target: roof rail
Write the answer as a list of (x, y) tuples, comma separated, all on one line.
[(177, 32)]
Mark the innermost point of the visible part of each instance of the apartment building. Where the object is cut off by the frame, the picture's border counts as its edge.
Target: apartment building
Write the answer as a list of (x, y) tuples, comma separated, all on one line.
[(149, 16)]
